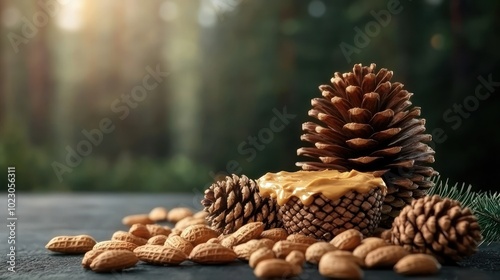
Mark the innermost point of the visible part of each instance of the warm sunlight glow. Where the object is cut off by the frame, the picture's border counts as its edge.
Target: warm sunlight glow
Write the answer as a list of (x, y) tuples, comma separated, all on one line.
[(213, 11), (207, 14), (70, 17), (169, 11)]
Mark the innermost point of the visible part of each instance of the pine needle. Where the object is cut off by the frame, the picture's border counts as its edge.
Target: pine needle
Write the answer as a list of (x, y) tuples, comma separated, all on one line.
[(487, 210), (485, 205)]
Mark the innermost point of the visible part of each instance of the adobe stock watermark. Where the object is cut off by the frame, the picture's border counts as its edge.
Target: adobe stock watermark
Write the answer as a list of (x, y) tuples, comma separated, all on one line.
[(257, 143), (251, 147), (11, 218), (363, 37), (120, 106), (455, 115), (31, 26)]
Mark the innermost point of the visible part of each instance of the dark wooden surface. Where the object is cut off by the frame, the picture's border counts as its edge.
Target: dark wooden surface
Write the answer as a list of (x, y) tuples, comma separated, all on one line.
[(41, 217)]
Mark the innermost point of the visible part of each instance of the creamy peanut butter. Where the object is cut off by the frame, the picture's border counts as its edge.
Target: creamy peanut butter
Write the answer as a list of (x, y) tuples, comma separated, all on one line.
[(305, 184)]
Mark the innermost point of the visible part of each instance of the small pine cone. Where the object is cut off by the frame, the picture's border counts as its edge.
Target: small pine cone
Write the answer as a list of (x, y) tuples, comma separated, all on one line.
[(235, 202), (437, 226)]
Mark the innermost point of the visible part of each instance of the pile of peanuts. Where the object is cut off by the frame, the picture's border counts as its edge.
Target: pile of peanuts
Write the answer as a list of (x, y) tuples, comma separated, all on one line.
[(270, 253)]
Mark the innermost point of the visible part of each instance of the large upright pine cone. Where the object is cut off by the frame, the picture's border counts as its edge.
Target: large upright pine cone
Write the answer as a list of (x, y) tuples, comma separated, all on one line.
[(366, 123), (235, 202), (437, 226)]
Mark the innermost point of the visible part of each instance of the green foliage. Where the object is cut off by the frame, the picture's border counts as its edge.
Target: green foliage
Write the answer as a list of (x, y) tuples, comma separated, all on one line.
[(485, 205), (487, 209), (128, 174), (259, 56), (96, 172), (33, 171)]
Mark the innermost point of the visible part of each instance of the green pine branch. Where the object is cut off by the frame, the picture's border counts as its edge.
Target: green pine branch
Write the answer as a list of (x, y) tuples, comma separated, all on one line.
[(485, 205)]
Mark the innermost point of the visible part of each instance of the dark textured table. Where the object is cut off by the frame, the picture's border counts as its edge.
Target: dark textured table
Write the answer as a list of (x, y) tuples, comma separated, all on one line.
[(41, 217)]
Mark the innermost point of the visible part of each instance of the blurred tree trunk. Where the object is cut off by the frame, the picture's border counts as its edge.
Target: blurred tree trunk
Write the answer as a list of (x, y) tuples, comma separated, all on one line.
[(39, 85), (140, 48), (3, 69), (16, 92), (183, 59), (69, 65)]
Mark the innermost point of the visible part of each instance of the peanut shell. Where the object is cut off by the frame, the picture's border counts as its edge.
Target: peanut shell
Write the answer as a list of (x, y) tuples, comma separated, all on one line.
[(200, 215), (140, 230), (90, 256), (362, 250), (282, 248), (113, 260), (158, 214), (346, 255), (315, 251), (372, 239), (77, 244), (128, 237), (269, 243), (386, 256), (188, 221), (260, 255), (338, 267), (178, 213), (159, 255), (275, 234), (137, 219), (179, 243), (417, 264), (213, 240), (296, 258), (243, 251), (155, 229), (274, 268), (157, 240), (115, 245), (197, 234), (248, 232), (212, 253), (300, 238), (228, 241), (347, 240)]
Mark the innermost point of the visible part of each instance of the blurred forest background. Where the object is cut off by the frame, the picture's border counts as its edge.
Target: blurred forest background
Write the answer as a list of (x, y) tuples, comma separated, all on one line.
[(178, 89)]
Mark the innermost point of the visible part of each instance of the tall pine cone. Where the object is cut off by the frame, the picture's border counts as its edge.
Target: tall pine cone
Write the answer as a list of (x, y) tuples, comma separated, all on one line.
[(437, 226), (235, 202), (366, 123)]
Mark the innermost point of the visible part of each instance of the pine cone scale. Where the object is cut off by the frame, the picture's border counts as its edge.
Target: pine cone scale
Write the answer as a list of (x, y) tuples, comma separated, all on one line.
[(391, 151), (342, 106), (359, 115), (353, 94), (357, 130), (361, 161), (386, 134), (371, 101), (382, 119), (361, 143)]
